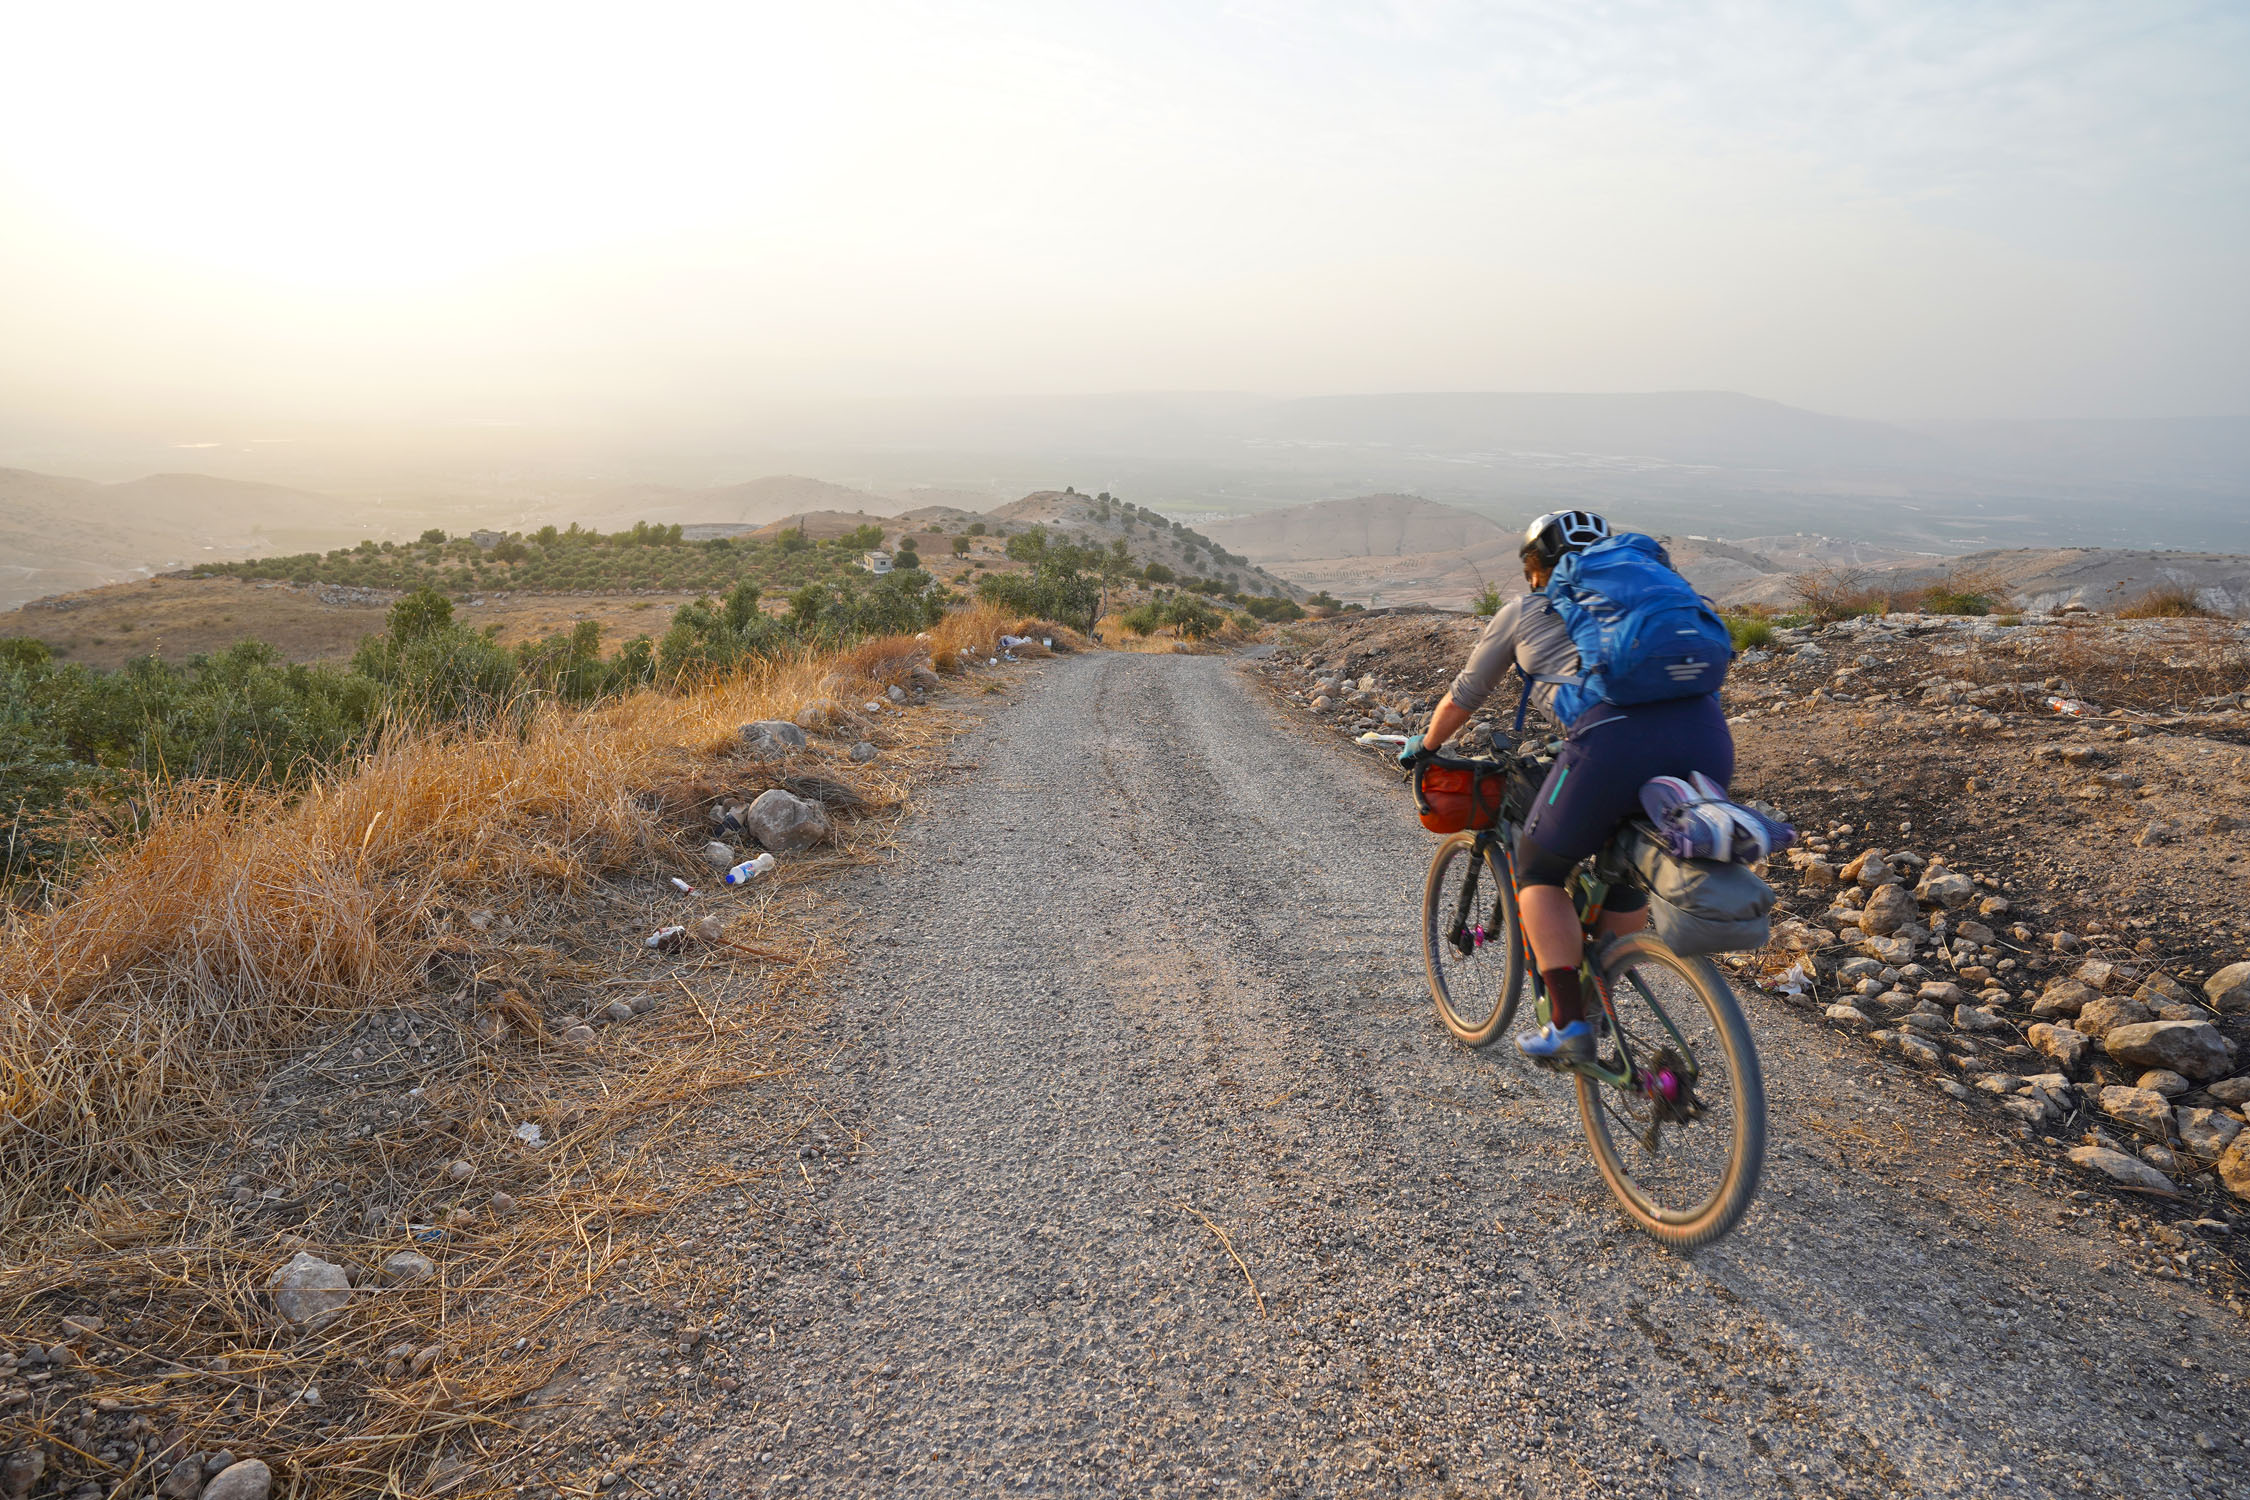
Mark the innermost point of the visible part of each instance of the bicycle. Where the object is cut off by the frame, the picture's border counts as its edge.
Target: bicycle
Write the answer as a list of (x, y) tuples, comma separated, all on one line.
[(1674, 1072)]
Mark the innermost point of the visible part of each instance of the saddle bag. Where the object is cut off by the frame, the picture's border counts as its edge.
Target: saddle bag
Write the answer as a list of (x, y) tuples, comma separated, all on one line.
[(1698, 906)]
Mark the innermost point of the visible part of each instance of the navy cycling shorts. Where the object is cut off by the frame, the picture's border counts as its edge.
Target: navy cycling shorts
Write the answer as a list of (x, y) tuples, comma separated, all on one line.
[(1595, 783)]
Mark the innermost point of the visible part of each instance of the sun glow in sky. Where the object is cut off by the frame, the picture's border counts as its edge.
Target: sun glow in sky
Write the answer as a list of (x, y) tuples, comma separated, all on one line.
[(1883, 209)]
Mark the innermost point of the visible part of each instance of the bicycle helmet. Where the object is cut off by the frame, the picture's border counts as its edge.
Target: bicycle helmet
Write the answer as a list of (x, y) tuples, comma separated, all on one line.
[(1560, 531)]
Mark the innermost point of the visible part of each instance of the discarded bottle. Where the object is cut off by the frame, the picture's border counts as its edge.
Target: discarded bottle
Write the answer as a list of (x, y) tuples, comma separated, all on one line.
[(750, 869)]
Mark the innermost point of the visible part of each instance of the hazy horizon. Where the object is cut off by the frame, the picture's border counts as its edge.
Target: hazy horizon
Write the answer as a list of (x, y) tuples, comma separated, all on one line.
[(652, 221)]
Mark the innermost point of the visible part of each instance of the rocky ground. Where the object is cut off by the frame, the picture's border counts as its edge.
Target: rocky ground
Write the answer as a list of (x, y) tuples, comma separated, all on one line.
[(2021, 871), (1137, 1164)]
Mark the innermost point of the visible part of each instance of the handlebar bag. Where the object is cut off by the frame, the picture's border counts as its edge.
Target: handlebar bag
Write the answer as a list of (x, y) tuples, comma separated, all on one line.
[(1453, 795)]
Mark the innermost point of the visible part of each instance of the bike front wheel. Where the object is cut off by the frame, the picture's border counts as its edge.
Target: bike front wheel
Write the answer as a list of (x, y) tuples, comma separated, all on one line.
[(1472, 943), (1681, 1141)]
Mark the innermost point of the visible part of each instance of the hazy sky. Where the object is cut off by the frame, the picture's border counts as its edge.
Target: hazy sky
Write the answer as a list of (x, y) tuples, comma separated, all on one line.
[(218, 212)]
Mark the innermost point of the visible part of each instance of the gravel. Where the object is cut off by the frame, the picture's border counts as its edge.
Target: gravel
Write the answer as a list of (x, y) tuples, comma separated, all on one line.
[(1153, 960)]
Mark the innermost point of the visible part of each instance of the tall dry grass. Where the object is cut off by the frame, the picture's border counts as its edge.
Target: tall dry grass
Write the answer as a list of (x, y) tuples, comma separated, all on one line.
[(146, 1019)]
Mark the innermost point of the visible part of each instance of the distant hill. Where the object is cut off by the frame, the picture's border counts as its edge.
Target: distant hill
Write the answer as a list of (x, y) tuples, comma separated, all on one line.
[(1369, 526), (2101, 578), (756, 502), (59, 534)]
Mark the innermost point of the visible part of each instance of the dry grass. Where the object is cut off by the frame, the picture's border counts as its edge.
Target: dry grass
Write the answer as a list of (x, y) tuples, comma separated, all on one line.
[(161, 1026), (2167, 601), (1830, 594)]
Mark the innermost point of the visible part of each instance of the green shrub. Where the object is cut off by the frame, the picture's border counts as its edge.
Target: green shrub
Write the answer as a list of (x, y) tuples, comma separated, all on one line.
[(1750, 632)]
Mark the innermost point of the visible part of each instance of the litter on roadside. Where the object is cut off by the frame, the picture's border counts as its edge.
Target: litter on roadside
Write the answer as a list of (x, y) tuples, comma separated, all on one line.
[(528, 1133), (2070, 706), (666, 937), (750, 869), (682, 886)]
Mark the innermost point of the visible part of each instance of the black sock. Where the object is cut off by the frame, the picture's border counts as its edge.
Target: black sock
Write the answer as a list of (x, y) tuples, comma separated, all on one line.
[(1563, 998)]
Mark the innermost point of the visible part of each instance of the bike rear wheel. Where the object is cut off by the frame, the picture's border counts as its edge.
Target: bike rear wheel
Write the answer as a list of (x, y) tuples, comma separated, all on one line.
[(1472, 943), (1682, 1142)]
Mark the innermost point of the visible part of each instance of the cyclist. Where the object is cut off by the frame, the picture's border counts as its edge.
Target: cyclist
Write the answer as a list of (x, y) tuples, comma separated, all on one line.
[(1607, 754)]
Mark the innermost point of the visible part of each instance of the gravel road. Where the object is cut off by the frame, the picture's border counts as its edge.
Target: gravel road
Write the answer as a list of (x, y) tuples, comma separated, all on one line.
[(1149, 960)]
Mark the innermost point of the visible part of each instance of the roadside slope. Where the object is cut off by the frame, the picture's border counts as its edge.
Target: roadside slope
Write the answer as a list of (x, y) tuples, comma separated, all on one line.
[(1152, 958)]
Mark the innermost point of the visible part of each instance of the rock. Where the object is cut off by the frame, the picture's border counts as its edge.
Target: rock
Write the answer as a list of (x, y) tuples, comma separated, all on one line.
[(2235, 1091), (2162, 989), (2153, 835), (1942, 993), (1853, 970), (616, 1010), (2171, 1085), (1890, 951), (2000, 1083), (79, 1325), (1977, 1018), (2161, 1158), (1847, 1015), (1976, 932), (2104, 1013), (405, 1267), (2063, 942), (2065, 1048), (2206, 1132), (895, 693), (1924, 1019), (1888, 909), (821, 714), (2229, 990), (1944, 888), (1322, 704), (21, 1471), (2119, 1167), (863, 752), (719, 856), (773, 737), (2234, 1168), (247, 1480), (2096, 973), (710, 928), (922, 677), (504, 1203), (1920, 1052), (1993, 906), (2144, 1109), (2064, 997), (579, 1034), (310, 1291), (784, 822), (2193, 1048), (461, 1171), (183, 1481), (1816, 873), (2034, 1108)]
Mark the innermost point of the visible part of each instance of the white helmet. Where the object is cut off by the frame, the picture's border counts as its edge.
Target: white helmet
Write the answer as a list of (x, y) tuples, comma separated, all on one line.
[(1560, 531)]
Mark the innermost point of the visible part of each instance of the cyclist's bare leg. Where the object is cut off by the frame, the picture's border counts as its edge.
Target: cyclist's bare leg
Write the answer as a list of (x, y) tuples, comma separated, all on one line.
[(1622, 923), (1550, 922)]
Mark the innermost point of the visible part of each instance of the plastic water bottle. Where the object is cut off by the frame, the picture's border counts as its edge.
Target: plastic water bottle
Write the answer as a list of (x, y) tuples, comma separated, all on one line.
[(750, 869)]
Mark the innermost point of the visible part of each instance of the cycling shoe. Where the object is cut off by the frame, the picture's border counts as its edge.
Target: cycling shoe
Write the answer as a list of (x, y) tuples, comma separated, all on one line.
[(1571, 1044)]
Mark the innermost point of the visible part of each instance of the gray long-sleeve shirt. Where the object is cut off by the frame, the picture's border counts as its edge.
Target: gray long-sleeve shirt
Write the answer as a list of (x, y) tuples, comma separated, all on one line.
[(1527, 633)]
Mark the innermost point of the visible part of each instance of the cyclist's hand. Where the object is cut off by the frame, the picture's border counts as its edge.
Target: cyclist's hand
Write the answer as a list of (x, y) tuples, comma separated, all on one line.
[(1411, 751)]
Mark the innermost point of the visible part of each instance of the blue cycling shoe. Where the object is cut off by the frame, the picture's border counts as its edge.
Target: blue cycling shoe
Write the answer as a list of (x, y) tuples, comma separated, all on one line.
[(1571, 1044)]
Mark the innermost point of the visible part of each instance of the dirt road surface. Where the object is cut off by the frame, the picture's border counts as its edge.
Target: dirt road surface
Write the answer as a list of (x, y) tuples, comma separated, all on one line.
[(1140, 997)]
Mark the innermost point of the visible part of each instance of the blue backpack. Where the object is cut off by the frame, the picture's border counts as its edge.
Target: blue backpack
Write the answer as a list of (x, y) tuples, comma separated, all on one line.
[(1643, 633)]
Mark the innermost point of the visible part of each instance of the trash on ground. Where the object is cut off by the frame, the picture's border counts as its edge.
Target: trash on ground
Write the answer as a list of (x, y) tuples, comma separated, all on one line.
[(2071, 706), (528, 1133), (750, 869), (682, 886), (666, 937)]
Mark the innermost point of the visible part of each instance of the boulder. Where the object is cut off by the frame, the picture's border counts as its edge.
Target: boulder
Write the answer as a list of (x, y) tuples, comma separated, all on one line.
[(1888, 909), (1853, 970), (2166, 1082), (719, 855), (1920, 1051), (2064, 997), (2235, 1091), (1942, 992), (2104, 1013), (2229, 990), (2096, 973), (2060, 1045), (2119, 1167), (247, 1480), (2162, 989), (2206, 1132), (405, 1267), (1946, 889), (772, 737), (2145, 1110), (782, 821), (310, 1291), (2234, 1168), (1977, 1018), (1892, 951), (1847, 1015), (2194, 1049), (922, 677)]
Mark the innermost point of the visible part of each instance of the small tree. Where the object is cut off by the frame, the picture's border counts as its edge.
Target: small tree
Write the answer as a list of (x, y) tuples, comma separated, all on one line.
[(960, 546)]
